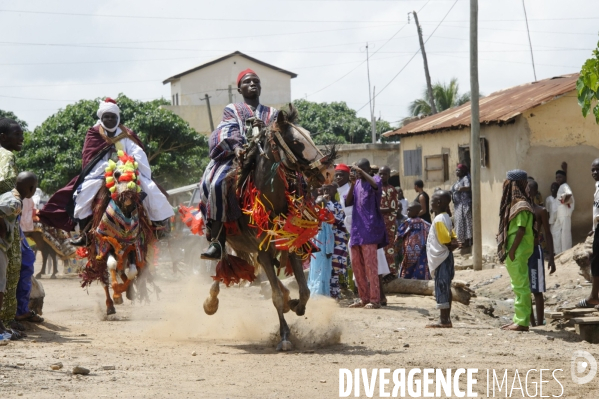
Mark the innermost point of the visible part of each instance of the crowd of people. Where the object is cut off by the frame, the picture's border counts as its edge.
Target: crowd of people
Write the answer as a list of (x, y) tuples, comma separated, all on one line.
[(377, 235)]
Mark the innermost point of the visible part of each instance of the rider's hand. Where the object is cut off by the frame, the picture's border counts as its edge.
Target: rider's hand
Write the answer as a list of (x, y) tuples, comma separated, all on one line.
[(258, 123), (239, 153)]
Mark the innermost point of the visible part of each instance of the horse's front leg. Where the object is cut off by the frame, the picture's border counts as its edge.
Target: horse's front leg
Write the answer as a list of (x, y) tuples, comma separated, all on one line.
[(54, 265), (277, 299), (211, 303), (109, 303), (299, 306)]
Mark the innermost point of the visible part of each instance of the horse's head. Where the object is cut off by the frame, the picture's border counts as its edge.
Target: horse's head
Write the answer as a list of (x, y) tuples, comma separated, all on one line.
[(122, 179), (297, 150)]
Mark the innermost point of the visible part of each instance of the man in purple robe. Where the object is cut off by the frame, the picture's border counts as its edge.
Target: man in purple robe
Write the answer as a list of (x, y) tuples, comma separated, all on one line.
[(368, 232), (219, 204)]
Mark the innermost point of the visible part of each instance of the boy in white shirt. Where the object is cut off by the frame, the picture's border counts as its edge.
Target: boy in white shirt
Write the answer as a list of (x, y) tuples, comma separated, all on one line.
[(441, 242)]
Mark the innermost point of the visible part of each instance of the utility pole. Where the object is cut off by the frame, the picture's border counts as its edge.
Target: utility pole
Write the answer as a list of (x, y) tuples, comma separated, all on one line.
[(532, 57), (370, 99), (207, 99), (230, 90), (373, 118), (477, 251), (429, 87)]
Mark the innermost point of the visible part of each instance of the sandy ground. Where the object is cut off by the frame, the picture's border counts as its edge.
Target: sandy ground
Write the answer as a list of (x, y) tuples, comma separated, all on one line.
[(151, 345)]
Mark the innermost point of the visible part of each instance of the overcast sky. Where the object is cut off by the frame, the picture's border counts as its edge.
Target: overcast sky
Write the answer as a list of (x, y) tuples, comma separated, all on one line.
[(51, 58)]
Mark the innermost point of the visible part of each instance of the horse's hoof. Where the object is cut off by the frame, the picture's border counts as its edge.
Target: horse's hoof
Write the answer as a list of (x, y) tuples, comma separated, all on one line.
[(118, 300), (39, 275), (110, 310), (53, 276), (210, 306), (284, 346), (294, 304)]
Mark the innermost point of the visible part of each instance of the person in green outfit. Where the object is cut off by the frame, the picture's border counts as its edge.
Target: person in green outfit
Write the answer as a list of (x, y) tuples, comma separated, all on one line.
[(516, 243)]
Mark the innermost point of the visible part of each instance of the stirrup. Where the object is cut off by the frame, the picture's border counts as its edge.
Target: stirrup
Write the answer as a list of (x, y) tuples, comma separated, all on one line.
[(80, 241), (210, 255)]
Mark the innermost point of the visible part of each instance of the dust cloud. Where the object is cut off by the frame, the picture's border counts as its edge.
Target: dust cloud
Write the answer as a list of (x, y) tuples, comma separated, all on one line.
[(244, 315)]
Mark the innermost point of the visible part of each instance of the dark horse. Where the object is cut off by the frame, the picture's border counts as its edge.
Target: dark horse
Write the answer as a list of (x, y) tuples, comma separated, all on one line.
[(297, 153)]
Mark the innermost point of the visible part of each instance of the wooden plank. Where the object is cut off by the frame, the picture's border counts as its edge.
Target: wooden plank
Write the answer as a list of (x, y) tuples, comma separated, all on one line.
[(586, 320), (588, 332), (580, 312), (554, 315)]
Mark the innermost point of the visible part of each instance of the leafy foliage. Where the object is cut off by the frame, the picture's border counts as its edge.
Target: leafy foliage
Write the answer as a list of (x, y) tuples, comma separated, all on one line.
[(11, 115), (177, 153), (445, 96), (336, 123), (587, 86)]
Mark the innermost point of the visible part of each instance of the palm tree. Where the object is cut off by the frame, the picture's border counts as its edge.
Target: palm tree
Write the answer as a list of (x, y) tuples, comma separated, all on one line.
[(445, 96)]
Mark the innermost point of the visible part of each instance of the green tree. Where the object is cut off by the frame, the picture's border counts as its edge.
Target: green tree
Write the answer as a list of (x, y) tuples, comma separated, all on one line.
[(335, 123), (11, 115), (177, 153), (587, 86), (445, 96)]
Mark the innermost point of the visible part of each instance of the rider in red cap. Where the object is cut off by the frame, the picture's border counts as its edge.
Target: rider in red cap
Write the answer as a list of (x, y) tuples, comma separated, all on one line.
[(219, 204)]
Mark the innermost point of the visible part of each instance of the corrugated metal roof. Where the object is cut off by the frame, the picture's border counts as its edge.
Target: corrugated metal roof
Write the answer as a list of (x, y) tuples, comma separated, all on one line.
[(497, 107)]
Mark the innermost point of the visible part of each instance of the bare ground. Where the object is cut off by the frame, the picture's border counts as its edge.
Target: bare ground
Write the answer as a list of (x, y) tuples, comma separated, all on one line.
[(151, 346)]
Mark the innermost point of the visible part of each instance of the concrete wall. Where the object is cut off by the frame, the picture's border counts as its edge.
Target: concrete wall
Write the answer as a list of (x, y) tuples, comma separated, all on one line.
[(191, 88), (537, 141), (378, 154)]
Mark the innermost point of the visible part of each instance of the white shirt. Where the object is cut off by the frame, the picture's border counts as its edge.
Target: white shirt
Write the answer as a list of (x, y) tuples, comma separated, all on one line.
[(596, 206), (343, 190), (565, 209), (404, 206), (551, 206), (27, 214), (156, 204), (435, 251)]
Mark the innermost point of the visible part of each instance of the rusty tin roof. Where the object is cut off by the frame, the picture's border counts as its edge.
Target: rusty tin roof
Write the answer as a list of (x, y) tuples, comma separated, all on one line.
[(498, 107)]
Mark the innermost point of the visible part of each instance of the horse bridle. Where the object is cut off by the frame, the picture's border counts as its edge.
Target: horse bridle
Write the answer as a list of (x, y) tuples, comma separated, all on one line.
[(278, 145)]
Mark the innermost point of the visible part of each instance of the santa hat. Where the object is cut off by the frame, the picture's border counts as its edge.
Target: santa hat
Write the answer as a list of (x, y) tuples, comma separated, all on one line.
[(243, 73)]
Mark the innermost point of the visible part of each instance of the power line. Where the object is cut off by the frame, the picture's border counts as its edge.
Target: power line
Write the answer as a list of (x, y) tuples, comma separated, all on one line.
[(520, 30), (211, 19), (241, 37), (411, 58), (361, 63)]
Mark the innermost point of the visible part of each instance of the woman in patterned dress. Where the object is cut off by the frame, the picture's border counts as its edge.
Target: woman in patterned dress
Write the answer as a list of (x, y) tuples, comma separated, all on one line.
[(462, 200)]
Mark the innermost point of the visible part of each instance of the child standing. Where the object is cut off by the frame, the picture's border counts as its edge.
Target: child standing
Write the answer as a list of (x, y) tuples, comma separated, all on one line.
[(339, 276), (439, 246), (10, 209), (516, 243), (321, 266), (536, 263), (413, 235)]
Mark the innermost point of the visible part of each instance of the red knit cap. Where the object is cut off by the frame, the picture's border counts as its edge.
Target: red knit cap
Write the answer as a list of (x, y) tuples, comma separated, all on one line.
[(343, 167), (243, 73)]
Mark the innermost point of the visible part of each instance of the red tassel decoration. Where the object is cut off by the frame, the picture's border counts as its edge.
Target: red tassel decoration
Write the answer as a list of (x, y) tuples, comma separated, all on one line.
[(233, 270)]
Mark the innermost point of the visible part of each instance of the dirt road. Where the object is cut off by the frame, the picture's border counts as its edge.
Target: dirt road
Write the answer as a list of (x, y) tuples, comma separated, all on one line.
[(151, 346)]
